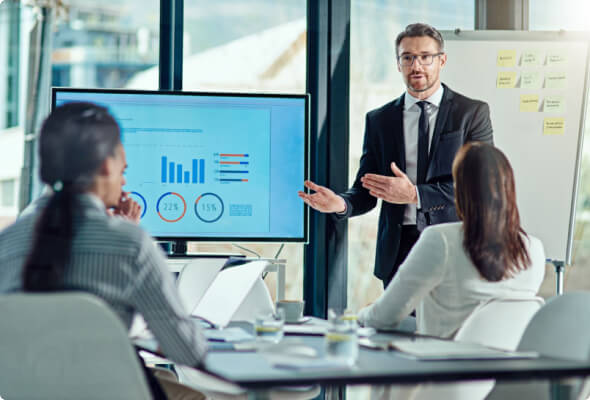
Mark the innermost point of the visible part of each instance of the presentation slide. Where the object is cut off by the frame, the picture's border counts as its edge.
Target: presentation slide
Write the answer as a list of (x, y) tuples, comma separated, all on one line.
[(209, 166)]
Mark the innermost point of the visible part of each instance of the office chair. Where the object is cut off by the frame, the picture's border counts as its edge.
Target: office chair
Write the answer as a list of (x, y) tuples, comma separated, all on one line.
[(496, 323), (559, 329), (66, 346)]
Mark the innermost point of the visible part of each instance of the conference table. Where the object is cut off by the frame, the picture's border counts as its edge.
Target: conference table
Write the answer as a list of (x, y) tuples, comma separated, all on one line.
[(252, 370)]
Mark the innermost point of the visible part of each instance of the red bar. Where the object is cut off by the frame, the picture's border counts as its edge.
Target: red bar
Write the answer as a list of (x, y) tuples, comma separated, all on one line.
[(229, 162), (244, 180), (231, 155)]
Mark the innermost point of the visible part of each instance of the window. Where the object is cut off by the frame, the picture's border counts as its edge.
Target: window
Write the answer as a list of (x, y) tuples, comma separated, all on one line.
[(105, 44), (8, 193), (551, 15), (102, 43), (374, 81), (248, 46)]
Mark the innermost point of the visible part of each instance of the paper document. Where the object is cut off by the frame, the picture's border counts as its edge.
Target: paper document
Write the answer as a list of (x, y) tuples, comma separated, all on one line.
[(233, 334), (437, 349)]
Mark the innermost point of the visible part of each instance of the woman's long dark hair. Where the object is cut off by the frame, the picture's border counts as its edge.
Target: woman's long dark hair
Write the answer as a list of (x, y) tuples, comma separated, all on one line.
[(74, 141), (486, 203)]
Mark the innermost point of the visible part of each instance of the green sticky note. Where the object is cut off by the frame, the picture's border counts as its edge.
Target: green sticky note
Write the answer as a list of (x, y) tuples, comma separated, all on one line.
[(531, 80), (530, 58), (555, 80), (556, 57), (554, 104)]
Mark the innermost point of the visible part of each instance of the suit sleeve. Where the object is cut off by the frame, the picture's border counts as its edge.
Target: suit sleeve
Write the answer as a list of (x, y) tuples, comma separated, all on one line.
[(357, 198), (436, 196)]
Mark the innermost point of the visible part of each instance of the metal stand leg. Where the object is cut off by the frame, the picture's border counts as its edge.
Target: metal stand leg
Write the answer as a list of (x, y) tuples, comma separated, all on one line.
[(559, 272)]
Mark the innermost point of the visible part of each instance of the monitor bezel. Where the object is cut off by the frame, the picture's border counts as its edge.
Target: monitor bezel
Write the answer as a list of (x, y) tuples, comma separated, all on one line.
[(304, 239)]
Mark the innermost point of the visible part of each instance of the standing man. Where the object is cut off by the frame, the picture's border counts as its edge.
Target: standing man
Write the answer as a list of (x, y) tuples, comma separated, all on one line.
[(408, 152)]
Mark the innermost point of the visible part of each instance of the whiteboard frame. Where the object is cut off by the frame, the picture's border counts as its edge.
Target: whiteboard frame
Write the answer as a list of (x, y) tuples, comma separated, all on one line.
[(544, 36)]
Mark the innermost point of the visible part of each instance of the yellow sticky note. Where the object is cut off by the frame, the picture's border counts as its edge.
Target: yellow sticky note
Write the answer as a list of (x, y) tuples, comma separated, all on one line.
[(531, 80), (529, 102), (506, 58), (556, 57), (530, 58), (554, 104), (506, 79), (555, 80), (553, 126)]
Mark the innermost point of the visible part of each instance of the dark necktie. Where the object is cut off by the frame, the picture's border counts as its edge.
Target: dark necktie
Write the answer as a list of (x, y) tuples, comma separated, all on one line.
[(423, 129)]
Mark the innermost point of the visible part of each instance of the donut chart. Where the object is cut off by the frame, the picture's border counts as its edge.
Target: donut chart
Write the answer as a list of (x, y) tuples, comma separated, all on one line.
[(209, 207), (140, 197), (171, 207)]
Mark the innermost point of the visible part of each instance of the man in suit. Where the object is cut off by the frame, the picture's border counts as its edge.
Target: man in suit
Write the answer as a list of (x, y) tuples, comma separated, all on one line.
[(408, 151)]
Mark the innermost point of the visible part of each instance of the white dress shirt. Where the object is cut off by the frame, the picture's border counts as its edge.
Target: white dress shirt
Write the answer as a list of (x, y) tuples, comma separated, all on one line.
[(411, 119), (439, 280)]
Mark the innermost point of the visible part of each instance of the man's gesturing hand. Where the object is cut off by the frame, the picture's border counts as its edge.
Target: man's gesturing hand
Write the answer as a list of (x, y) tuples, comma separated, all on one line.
[(323, 199), (396, 189)]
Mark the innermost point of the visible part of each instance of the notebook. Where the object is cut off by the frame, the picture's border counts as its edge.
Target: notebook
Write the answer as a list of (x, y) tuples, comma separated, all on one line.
[(437, 349)]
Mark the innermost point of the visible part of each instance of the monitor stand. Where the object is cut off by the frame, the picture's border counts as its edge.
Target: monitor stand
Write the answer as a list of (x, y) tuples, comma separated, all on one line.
[(178, 249)]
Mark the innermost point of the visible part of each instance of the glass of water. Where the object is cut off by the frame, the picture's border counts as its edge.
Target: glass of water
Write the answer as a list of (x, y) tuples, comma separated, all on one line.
[(269, 327), (341, 338)]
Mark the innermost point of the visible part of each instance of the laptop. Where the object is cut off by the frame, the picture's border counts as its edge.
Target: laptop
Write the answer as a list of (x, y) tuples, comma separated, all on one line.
[(226, 293)]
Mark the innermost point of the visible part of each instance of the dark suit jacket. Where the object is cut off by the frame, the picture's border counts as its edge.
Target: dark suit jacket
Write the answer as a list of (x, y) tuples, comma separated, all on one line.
[(459, 120)]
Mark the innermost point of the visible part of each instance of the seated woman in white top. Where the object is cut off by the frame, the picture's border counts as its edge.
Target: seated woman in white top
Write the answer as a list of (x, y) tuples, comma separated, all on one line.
[(456, 266)]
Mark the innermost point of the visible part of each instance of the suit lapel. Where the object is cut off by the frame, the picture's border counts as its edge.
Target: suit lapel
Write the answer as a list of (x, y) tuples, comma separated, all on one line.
[(395, 149), (441, 119)]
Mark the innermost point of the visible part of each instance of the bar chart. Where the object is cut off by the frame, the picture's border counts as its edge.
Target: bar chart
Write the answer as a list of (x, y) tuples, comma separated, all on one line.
[(232, 167), (176, 173)]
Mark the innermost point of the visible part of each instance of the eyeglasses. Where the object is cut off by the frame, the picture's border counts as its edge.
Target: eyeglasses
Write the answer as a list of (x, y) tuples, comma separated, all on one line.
[(407, 60)]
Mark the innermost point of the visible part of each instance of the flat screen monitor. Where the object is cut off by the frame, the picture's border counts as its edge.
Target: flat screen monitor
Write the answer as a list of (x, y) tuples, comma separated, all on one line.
[(211, 166)]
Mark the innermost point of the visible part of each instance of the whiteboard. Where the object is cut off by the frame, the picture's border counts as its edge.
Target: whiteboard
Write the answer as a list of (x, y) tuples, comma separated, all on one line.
[(535, 84)]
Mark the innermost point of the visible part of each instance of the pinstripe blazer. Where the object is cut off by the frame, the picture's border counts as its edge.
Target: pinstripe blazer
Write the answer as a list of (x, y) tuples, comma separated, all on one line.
[(118, 262)]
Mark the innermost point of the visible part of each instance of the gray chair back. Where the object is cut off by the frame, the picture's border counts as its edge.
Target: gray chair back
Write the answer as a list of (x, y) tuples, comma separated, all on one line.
[(559, 329), (66, 346)]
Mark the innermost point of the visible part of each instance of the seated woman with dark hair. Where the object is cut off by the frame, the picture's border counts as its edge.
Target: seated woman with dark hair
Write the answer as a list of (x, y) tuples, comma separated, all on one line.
[(456, 266), (71, 243)]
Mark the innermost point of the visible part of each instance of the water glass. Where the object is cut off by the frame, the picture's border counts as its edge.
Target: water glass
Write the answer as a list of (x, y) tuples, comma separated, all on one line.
[(269, 327), (341, 338)]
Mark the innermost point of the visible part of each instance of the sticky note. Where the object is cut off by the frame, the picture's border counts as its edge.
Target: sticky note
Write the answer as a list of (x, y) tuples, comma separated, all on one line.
[(506, 79), (556, 57), (506, 58), (554, 104), (529, 102), (555, 80), (530, 58), (554, 126), (531, 80)]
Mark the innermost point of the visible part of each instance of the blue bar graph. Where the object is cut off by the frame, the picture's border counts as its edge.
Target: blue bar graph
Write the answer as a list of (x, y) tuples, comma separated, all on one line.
[(178, 173), (164, 165), (173, 172), (195, 169), (202, 171)]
